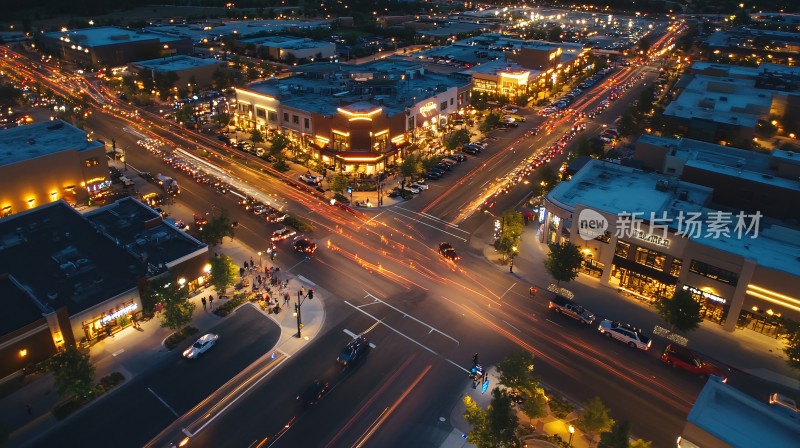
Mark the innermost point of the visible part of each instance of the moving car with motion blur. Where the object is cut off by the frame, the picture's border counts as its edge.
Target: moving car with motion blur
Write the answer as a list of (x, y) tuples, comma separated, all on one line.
[(354, 351), (202, 345), (314, 393), (447, 251), (282, 234), (304, 245)]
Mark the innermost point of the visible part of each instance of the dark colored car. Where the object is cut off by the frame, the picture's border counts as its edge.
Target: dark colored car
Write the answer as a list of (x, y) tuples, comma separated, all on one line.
[(433, 174), (683, 358), (447, 251), (314, 393), (304, 245), (354, 351), (471, 150)]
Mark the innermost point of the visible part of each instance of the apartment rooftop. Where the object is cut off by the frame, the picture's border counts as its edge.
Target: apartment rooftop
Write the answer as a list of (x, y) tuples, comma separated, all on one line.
[(739, 420), (107, 35), (41, 139), (175, 63)]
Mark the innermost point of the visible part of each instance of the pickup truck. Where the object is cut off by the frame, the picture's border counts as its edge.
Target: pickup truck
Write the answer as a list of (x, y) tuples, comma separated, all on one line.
[(567, 307)]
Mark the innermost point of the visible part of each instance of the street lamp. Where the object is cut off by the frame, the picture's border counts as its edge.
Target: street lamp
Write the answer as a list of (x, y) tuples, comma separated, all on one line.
[(513, 253), (501, 218), (259, 259), (571, 433)]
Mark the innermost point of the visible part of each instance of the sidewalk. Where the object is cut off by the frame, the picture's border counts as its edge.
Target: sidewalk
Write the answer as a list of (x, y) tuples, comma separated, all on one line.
[(744, 350), (133, 352)]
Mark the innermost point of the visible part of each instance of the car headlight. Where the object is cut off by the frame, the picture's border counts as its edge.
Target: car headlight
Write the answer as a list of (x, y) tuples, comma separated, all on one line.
[(187, 353)]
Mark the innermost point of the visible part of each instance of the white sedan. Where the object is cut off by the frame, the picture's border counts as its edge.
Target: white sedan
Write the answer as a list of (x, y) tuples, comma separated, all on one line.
[(201, 346), (420, 186)]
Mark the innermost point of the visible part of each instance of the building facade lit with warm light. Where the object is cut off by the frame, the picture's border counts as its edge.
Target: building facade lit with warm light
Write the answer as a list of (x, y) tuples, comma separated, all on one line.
[(356, 119), (96, 266), (45, 162), (740, 281)]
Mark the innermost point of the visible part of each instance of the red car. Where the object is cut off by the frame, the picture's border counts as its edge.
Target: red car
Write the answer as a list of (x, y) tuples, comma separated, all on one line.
[(681, 357)]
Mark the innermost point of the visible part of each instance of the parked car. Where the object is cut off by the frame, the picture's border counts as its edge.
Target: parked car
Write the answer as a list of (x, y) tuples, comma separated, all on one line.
[(681, 357), (625, 333), (471, 150), (282, 234), (314, 393), (460, 158), (310, 179), (510, 109), (202, 345), (569, 308), (516, 117), (411, 189), (784, 404), (420, 185), (433, 174), (447, 251), (304, 245), (354, 351)]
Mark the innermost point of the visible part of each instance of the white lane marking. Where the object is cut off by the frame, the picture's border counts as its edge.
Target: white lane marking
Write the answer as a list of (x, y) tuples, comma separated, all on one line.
[(518, 330), (164, 402), (426, 224), (432, 218), (353, 335), (406, 336), (430, 327), (552, 322), (507, 290), (305, 280)]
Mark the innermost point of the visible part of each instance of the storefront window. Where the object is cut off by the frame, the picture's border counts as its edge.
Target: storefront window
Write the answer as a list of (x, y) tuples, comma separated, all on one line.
[(604, 238), (713, 272), (380, 143), (622, 249), (650, 258), (712, 307), (675, 268), (340, 142)]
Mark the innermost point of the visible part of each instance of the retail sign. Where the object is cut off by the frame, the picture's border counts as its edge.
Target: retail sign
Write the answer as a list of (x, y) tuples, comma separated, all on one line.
[(703, 294), (117, 314), (430, 106), (652, 239)]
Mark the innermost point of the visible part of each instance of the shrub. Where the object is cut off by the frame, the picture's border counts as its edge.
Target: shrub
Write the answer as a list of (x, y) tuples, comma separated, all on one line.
[(298, 224), (175, 338), (341, 198), (560, 407), (227, 307), (63, 410)]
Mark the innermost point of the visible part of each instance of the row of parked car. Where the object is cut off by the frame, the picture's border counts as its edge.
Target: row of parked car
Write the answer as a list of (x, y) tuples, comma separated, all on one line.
[(675, 355)]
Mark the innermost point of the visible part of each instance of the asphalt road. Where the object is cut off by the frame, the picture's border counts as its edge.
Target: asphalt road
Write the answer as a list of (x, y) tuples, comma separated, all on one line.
[(133, 414)]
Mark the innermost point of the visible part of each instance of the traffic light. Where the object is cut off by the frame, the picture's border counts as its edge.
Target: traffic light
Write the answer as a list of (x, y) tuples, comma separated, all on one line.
[(310, 294)]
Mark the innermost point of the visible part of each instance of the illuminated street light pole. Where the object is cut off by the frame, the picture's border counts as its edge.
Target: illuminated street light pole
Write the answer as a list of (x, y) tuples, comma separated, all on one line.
[(571, 433), (259, 259)]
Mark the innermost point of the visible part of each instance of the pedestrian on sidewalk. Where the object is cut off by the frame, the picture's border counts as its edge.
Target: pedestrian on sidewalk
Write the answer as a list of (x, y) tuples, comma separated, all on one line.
[(286, 299), (252, 263), (211, 302), (203, 301), (245, 266)]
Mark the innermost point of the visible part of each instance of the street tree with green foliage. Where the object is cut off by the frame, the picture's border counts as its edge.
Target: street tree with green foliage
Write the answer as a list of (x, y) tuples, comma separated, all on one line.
[(617, 437), (791, 337), (222, 119), (563, 262), (338, 183), (549, 177), (279, 142), (681, 312), (256, 136), (73, 372), (219, 226), (640, 443), (511, 233), (515, 373), (177, 311), (224, 273), (456, 139), (494, 426), (492, 121), (411, 166), (594, 417)]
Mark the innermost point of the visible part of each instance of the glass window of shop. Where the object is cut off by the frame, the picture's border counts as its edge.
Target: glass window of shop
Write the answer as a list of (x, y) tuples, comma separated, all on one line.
[(622, 250), (111, 321), (605, 237), (380, 143), (273, 117), (650, 258), (675, 267), (712, 307), (713, 272), (642, 286), (484, 85), (341, 142)]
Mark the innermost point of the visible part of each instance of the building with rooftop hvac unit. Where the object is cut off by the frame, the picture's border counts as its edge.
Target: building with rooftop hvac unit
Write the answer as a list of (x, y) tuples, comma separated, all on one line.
[(68, 278), (724, 417), (186, 68), (44, 162), (282, 48), (742, 271), (112, 46)]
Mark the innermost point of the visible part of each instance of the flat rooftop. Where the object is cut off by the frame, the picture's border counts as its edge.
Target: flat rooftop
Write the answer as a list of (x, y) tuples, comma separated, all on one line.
[(143, 234), (176, 63), (314, 94), (108, 35), (740, 420), (214, 29), (730, 101), (19, 308), (41, 139), (58, 257)]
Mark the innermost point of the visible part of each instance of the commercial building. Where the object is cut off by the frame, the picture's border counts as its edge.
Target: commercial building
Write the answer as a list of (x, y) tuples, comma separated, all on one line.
[(650, 234), (754, 45), (48, 161), (282, 48), (112, 46), (210, 31), (355, 118), (724, 417), (186, 68), (68, 278)]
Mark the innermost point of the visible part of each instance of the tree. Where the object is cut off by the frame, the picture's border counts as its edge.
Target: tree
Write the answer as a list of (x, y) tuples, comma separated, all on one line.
[(217, 229), (617, 437), (515, 373), (554, 34), (594, 417), (496, 425), (222, 119), (534, 403), (74, 372), (456, 139), (792, 339), (511, 232), (492, 121), (549, 177), (682, 312), (256, 136), (279, 143), (411, 166), (224, 273), (177, 311), (563, 262), (640, 443), (338, 182)]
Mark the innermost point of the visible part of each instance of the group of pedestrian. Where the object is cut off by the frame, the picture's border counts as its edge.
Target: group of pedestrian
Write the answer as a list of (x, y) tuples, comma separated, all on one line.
[(208, 306)]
